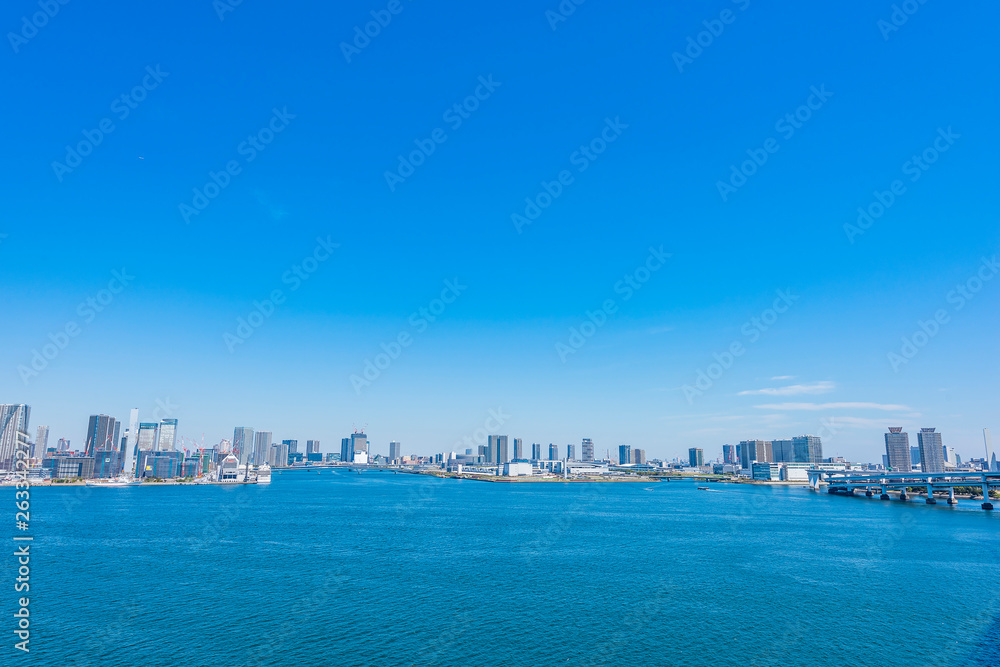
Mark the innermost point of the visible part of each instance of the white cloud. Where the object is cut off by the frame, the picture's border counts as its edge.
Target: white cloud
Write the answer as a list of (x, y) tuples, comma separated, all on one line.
[(888, 407), (822, 387), (783, 377)]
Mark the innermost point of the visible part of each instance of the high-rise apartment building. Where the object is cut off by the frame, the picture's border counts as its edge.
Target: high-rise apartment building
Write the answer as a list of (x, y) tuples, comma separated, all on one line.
[(752, 451), (807, 449), (278, 455), (782, 451), (293, 446), (729, 454), (261, 446), (587, 449), (146, 438), (243, 443), (696, 457), (639, 457), (571, 452), (496, 449), (312, 447), (346, 451), (102, 433), (13, 421), (518, 449), (41, 441), (897, 449), (168, 435), (624, 454), (395, 452), (553, 452), (931, 452), (536, 452)]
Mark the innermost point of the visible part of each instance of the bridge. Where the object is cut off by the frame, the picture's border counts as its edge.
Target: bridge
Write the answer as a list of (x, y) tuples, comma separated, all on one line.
[(846, 483)]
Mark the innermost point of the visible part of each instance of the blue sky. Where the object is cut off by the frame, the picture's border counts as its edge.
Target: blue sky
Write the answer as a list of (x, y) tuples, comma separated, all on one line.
[(599, 101)]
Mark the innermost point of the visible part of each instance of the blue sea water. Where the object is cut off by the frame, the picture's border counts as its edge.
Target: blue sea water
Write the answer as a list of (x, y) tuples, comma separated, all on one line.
[(396, 569)]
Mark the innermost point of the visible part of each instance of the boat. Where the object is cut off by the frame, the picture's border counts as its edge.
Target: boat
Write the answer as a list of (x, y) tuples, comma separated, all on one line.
[(264, 474), (703, 488), (123, 480)]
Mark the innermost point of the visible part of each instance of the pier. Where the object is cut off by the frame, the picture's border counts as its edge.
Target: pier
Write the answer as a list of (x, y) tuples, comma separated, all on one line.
[(846, 483)]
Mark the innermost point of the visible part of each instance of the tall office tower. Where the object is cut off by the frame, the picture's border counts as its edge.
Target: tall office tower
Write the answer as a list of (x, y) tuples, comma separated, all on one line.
[(897, 449), (571, 452), (146, 438), (587, 449), (277, 456), (951, 456), (131, 440), (754, 450), (312, 447), (243, 443), (359, 441), (914, 457), (624, 454), (13, 420), (536, 452), (395, 451), (696, 457), (63, 442), (293, 446), (807, 449), (931, 454), (482, 452), (100, 434), (346, 451), (502, 452), (168, 435), (639, 457), (261, 446), (491, 450), (518, 449), (41, 441), (729, 454), (553, 452), (782, 451)]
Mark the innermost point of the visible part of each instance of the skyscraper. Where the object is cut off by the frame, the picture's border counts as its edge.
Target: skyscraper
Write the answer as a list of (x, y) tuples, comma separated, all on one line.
[(146, 438), (518, 449), (696, 457), (312, 447), (395, 452), (131, 442), (639, 456), (624, 454), (293, 446), (41, 441), (783, 451), (346, 451), (536, 452), (754, 450), (502, 454), (13, 420), (100, 434), (931, 452), (729, 454), (243, 443), (261, 446), (587, 449), (553, 452), (570, 452), (359, 448), (897, 449), (806, 449), (168, 435)]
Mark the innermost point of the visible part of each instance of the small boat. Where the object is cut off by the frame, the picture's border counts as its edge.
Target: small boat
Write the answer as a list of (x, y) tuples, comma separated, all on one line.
[(116, 481), (703, 488)]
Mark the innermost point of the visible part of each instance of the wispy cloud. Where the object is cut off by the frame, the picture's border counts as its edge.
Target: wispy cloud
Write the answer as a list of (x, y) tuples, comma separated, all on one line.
[(822, 387), (888, 407), (783, 377)]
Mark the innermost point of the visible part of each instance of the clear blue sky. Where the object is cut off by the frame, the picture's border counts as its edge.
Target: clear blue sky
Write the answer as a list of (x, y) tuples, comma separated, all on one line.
[(676, 126)]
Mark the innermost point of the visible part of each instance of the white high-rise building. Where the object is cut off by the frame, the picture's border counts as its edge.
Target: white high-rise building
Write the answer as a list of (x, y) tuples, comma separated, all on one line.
[(41, 441), (13, 420), (131, 442), (261, 446), (146, 438), (243, 443), (168, 435)]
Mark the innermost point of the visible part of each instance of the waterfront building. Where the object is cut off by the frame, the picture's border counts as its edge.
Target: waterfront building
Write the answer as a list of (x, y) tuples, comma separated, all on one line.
[(243, 443), (146, 438), (293, 445), (587, 450), (346, 452), (782, 451), (229, 469), (729, 454), (41, 441), (915, 457), (536, 452), (696, 457), (69, 467), (754, 450), (168, 435), (395, 451), (766, 471), (931, 452), (102, 433), (312, 447), (518, 449), (108, 463), (897, 449), (13, 420), (278, 455), (553, 452), (639, 457), (496, 447), (806, 449), (570, 452), (261, 447), (359, 447), (624, 454), (517, 469), (159, 463)]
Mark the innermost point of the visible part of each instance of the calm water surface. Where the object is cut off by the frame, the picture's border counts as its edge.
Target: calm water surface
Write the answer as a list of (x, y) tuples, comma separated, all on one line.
[(379, 569)]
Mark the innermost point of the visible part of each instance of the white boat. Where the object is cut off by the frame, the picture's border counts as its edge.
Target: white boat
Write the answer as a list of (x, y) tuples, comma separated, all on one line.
[(115, 481), (264, 474)]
